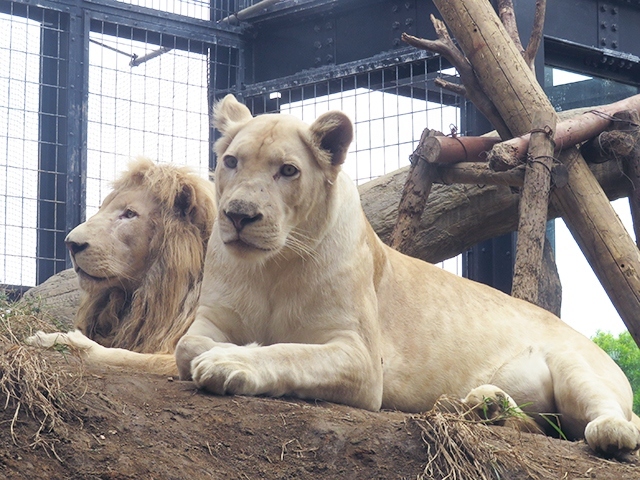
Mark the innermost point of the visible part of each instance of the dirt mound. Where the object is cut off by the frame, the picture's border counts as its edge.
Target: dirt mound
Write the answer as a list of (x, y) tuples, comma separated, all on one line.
[(122, 425)]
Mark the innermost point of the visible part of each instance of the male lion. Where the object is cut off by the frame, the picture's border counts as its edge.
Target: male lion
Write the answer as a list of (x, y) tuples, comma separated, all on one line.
[(139, 263), (300, 297)]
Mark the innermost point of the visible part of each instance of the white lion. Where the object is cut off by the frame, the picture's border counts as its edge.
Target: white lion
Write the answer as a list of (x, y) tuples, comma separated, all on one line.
[(300, 297), (139, 262)]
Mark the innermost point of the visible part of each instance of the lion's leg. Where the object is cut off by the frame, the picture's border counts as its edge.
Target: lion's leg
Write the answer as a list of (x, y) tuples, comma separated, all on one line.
[(593, 396), (188, 348), (338, 371), (94, 353)]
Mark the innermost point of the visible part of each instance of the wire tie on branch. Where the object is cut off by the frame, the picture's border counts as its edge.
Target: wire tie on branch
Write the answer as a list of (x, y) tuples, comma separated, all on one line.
[(557, 173), (466, 154), (606, 116), (547, 130)]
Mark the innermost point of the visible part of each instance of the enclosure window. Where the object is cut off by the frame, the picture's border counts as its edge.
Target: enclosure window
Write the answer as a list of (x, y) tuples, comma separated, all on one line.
[(157, 108), (32, 142)]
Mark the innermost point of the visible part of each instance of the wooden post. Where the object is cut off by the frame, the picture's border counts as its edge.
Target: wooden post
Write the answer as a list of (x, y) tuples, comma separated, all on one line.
[(510, 84), (415, 193), (534, 203)]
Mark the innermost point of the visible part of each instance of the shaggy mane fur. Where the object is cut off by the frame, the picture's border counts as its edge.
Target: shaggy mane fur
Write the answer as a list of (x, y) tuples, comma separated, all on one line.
[(153, 317)]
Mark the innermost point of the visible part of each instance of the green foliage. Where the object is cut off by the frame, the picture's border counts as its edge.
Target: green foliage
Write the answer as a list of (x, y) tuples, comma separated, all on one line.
[(624, 351)]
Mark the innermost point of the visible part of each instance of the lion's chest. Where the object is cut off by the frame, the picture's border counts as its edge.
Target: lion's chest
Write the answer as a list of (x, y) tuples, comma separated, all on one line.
[(274, 311)]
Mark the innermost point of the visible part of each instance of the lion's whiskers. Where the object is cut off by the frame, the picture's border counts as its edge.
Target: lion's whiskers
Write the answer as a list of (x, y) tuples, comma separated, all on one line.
[(301, 248)]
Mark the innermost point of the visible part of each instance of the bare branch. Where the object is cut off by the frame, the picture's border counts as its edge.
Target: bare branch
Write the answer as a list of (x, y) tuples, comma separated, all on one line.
[(536, 34), (445, 47), (452, 87), (508, 17)]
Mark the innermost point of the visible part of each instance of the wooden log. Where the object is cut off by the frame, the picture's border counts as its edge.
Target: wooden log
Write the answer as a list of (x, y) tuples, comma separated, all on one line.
[(549, 286), (450, 150), (471, 173), (509, 83), (534, 203), (569, 132), (415, 192)]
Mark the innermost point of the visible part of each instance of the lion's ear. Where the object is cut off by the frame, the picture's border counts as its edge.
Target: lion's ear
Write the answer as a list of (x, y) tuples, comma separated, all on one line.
[(333, 132), (185, 201), (195, 205), (229, 111)]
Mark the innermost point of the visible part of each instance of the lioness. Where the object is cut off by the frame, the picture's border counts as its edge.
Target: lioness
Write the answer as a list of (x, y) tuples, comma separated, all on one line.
[(300, 297)]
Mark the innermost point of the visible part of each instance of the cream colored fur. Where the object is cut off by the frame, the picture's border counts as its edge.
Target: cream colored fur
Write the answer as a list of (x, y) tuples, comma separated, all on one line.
[(300, 297), (139, 261)]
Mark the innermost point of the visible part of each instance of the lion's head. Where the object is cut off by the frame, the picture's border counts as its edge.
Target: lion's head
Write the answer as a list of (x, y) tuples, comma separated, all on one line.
[(274, 178), (139, 259)]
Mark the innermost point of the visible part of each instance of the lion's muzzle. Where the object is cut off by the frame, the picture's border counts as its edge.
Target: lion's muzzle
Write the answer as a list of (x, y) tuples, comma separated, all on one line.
[(242, 213)]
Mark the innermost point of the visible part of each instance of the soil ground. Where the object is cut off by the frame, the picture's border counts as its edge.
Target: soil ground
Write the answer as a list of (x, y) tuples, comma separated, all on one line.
[(126, 426)]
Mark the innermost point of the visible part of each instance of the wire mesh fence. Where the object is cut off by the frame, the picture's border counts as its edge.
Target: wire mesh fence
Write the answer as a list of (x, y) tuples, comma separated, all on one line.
[(149, 91), (156, 108), (32, 168), (389, 107)]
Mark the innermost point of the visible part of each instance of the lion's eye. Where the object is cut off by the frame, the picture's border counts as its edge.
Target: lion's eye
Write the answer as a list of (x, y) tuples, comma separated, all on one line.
[(288, 170), (128, 213), (230, 162)]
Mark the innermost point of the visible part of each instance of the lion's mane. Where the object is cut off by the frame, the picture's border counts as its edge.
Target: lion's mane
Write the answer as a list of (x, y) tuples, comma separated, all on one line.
[(153, 317)]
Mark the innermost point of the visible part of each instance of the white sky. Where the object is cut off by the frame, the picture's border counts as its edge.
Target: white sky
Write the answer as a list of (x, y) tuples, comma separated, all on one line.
[(387, 128), (585, 305)]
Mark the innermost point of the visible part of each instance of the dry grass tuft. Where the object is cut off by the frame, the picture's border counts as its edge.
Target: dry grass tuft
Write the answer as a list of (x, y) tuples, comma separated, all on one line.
[(461, 446), (30, 387)]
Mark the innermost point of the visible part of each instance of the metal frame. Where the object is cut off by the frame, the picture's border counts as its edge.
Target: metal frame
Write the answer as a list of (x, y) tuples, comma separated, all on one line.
[(290, 43), (64, 96)]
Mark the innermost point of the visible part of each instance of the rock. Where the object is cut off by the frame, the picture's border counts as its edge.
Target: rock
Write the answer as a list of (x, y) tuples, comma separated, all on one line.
[(60, 294)]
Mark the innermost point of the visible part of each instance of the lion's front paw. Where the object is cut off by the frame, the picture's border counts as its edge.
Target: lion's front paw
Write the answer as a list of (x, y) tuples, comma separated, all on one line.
[(224, 373), (612, 435), (45, 340), (74, 338)]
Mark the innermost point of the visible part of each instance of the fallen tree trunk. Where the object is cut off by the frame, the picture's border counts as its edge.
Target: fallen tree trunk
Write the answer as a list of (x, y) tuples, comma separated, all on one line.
[(456, 217)]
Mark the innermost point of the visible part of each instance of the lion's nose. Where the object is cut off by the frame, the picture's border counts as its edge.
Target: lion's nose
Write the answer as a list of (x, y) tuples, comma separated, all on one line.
[(75, 247), (241, 220)]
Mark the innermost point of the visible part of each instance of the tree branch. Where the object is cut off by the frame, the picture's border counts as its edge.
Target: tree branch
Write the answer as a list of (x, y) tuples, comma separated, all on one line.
[(536, 34), (445, 47), (508, 18), (456, 88)]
